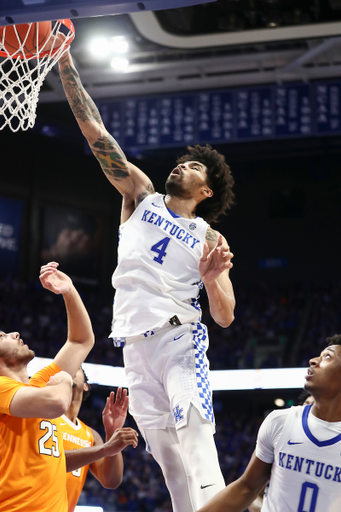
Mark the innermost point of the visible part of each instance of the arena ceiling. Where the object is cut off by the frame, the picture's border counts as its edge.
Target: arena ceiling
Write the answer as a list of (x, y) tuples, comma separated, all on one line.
[(221, 44)]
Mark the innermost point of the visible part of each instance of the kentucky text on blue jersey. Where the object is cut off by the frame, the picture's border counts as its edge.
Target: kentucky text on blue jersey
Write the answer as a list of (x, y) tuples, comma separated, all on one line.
[(169, 227), (309, 467)]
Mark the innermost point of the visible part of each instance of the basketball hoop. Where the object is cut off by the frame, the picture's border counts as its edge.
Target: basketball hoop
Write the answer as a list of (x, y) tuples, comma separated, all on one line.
[(27, 54)]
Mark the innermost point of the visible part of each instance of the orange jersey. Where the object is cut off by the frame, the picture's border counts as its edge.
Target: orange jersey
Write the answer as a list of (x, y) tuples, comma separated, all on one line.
[(32, 459), (75, 437)]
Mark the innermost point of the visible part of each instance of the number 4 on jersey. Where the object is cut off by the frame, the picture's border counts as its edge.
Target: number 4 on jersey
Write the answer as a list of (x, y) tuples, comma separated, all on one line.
[(160, 248)]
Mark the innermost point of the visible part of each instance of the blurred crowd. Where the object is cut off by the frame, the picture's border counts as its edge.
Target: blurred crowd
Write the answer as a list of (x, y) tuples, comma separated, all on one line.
[(275, 326), (323, 320)]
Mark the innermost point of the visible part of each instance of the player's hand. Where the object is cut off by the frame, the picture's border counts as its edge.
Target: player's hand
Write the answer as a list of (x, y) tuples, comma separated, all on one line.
[(54, 280), (115, 411), (215, 262), (121, 438), (58, 378)]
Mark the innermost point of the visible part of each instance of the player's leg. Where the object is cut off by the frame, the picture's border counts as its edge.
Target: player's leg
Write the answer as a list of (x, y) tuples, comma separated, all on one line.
[(186, 381), (149, 405), (166, 450), (197, 442)]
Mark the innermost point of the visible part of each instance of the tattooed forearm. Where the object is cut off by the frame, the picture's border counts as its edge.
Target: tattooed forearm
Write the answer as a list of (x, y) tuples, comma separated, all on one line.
[(107, 151), (211, 235), (149, 190), (80, 102), (111, 157)]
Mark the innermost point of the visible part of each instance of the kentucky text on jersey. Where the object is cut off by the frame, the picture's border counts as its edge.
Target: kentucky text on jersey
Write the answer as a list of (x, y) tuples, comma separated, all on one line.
[(76, 440), (309, 467), (169, 227)]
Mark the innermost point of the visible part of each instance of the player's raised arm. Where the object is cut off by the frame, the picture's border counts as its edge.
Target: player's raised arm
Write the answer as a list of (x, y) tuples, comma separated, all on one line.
[(109, 470), (129, 180), (80, 338)]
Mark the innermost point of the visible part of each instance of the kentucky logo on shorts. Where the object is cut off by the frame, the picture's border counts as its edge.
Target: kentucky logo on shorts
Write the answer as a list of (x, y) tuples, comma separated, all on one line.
[(178, 416)]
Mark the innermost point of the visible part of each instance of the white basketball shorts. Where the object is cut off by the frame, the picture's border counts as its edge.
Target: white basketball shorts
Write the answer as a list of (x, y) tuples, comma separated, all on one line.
[(167, 372)]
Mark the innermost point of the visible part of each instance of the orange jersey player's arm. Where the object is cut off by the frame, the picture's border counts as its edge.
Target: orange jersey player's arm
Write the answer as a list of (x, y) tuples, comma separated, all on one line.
[(54, 399), (43, 402), (105, 459)]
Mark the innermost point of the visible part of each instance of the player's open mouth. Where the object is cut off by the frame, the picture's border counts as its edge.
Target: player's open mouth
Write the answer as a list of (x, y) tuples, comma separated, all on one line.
[(176, 172), (309, 373)]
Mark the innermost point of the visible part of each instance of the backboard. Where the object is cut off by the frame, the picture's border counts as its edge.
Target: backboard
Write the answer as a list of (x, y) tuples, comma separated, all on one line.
[(25, 11)]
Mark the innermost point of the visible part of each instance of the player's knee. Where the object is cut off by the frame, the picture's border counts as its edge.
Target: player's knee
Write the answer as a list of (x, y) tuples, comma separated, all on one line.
[(172, 474), (197, 455)]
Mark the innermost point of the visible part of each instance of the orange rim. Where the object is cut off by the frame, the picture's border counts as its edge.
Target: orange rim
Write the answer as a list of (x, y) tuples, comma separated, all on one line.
[(66, 23)]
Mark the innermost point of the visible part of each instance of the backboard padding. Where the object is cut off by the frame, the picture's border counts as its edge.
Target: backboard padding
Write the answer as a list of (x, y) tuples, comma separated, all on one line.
[(13, 12)]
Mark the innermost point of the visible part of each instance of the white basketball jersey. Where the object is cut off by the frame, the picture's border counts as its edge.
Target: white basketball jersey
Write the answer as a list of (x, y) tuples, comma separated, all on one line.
[(306, 471), (157, 274)]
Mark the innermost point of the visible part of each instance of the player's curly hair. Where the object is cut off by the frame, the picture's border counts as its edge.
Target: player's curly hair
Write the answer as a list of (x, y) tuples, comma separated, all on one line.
[(219, 179), (334, 340)]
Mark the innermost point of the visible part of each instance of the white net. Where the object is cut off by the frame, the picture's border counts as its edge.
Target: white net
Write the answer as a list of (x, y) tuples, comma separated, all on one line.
[(25, 59)]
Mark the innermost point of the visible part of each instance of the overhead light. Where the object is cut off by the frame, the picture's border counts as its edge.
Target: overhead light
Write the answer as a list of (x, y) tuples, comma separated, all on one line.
[(100, 47), (119, 45), (119, 63), (279, 402)]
